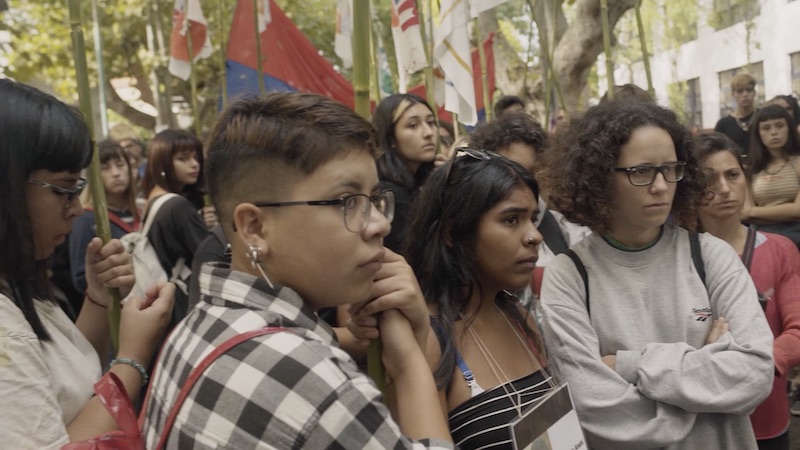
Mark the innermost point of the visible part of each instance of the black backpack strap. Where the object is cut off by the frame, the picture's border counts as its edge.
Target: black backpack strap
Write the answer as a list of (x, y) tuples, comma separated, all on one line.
[(697, 256), (551, 233), (584, 276), (749, 247)]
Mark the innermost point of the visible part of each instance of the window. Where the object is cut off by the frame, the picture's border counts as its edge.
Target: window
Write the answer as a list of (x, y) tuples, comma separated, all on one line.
[(730, 12), (726, 102), (795, 72), (686, 101)]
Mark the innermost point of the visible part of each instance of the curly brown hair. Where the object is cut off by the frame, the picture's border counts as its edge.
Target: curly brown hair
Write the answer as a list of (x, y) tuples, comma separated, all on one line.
[(578, 171)]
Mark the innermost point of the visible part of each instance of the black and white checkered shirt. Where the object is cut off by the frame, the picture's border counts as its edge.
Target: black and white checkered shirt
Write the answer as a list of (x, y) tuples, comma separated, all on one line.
[(285, 390)]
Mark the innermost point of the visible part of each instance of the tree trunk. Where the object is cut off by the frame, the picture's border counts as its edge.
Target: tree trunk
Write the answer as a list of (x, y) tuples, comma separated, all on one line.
[(582, 43), (121, 107)]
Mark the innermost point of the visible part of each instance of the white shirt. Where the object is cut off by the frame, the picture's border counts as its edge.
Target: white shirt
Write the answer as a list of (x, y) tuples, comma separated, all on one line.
[(43, 385)]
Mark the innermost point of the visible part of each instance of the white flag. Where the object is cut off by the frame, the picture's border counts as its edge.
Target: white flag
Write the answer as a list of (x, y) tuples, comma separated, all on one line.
[(264, 15), (476, 7), (408, 43), (452, 52), (187, 15), (343, 40)]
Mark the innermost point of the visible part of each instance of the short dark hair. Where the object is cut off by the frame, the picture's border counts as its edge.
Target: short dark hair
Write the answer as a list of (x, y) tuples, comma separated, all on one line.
[(579, 171), (447, 213), (506, 101), (629, 93), (162, 150), (256, 140), (509, 129), (757, 153), (37, 131), (711, 142), (793, 105), (390, 165), (108, 150)]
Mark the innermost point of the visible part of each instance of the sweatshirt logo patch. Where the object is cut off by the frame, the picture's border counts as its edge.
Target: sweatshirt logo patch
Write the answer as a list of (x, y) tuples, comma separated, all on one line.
[(701, 314)]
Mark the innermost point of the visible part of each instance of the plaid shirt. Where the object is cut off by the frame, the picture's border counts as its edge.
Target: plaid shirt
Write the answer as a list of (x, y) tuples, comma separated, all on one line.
[(283, 390)]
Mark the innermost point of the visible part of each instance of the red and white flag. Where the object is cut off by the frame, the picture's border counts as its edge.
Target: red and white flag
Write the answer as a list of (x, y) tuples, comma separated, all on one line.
[(408, 43), (264, 15), (187, 17), (453, 54), (343, 39)]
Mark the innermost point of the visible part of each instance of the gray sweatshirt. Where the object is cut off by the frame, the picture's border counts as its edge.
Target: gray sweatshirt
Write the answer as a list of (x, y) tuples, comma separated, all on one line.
[(651, 309)]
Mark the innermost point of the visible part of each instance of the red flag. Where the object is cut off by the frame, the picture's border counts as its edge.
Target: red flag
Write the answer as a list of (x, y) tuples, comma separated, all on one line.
[(197, 25)]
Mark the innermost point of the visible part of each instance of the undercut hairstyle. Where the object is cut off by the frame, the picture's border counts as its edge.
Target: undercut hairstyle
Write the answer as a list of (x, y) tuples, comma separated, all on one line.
[(257, 145), (505, 102), (37, 131), (391, 166), (578, 172), (757, 154), (161, 151), (629, 93), (742, 80), (509, 129), (447, 212), (110, 150)]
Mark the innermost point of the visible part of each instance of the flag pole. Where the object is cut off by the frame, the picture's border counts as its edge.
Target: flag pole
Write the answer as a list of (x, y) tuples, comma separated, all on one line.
[(645, 55), (550, 73), (260, 58), (95, 178), (429, 81), (192, 77), (101, 78), (376, 64), (222, 51), (484, 73), (607, 48)]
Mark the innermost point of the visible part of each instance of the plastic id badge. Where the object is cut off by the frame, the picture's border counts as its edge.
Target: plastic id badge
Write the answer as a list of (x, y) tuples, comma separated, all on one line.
[(551, 424)]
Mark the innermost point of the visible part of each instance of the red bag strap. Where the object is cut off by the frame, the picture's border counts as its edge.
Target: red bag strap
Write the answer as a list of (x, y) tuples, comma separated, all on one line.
[(113, 217), (198, 371)]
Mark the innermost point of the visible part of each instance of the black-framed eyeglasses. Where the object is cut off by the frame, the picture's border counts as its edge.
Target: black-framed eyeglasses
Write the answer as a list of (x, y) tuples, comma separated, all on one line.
[(356, 208), (68, 194), (474, 153), (645, 175)]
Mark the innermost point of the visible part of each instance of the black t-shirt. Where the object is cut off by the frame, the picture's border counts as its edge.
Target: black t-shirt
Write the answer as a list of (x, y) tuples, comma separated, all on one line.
[(402, 212), (735, 129)]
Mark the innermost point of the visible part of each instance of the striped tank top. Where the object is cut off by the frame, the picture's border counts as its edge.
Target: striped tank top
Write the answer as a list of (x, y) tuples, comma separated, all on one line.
[(778, 188)]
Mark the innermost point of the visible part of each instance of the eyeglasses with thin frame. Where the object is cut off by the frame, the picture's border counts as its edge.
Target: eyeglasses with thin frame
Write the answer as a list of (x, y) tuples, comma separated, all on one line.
[(66, 193), (356, 208), (644, 175)]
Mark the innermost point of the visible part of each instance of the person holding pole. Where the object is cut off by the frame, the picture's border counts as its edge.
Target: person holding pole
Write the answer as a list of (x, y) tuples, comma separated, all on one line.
[(48, 365)]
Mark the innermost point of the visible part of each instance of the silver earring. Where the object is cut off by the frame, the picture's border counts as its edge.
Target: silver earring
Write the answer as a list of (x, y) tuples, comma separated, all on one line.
[(163, 174), (254, 255)]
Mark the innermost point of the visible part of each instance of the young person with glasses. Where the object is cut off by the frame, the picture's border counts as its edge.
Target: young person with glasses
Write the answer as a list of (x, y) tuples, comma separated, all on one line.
[(477, 214), (774, 263), (49, 365), (657, 355), (294, 182)]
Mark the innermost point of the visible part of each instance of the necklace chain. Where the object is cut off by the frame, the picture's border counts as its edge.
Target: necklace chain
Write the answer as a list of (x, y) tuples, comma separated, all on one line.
[(785, 162)]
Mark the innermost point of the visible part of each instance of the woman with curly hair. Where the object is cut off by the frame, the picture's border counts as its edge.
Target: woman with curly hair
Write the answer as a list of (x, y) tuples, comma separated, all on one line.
[(407, 136), (774, 263), (659, 338), (774, 160)]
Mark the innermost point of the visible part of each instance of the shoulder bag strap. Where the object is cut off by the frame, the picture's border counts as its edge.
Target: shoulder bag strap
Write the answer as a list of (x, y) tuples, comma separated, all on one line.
[(551, 233), (697, 256), (113, 217), (198, 371), (153, 210), (584, 276), (749, 247)]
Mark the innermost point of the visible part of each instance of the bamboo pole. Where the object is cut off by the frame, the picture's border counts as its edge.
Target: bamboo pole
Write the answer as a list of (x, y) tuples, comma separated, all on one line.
[(222, 50), (607, 48), (101, 78), (95, 178), (192, 76), (374, 59), (429, 81), (487, 105), (550, 73), (259, 57), (645, 54)]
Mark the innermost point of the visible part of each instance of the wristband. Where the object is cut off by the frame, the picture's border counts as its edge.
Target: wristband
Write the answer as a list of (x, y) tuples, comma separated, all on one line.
[(140, 368), (86, 294)]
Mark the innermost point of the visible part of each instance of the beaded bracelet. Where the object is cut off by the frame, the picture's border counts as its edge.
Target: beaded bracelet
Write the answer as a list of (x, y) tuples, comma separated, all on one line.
[(140, 368)]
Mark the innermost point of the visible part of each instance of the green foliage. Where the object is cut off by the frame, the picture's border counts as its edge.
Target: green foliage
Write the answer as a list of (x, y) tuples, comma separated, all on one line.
[(729, 12)]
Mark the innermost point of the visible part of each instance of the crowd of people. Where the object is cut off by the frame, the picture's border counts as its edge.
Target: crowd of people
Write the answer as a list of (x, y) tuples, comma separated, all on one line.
[(654, 270)]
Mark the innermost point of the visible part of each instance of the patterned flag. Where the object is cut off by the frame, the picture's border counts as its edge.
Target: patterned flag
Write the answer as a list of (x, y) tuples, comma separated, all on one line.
[(343, 40), (476, 7), (407, 38), (452, 53), (187, 16)]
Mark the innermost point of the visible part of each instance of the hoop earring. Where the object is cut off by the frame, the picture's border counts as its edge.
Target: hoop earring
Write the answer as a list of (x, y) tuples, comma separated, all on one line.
[(254, 255)]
